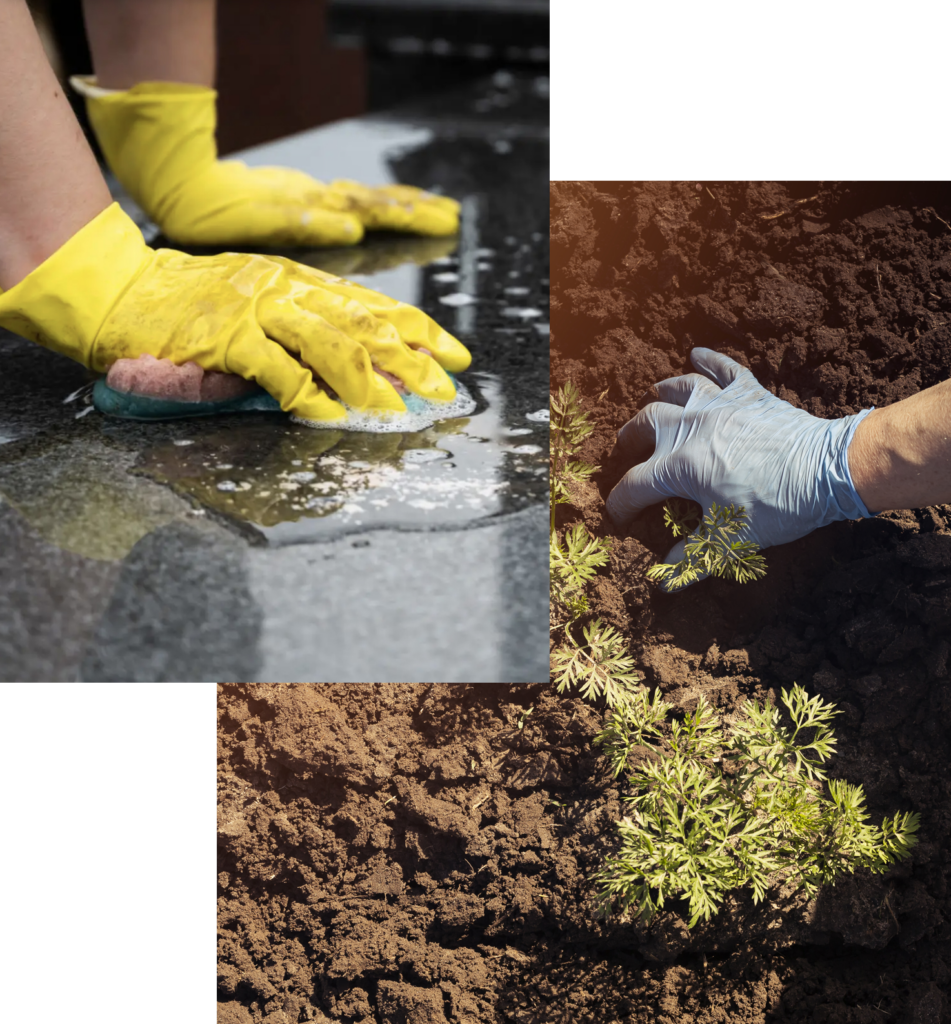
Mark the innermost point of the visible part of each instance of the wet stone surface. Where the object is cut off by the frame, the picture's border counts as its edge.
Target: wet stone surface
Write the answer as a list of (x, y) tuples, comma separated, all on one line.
[(87, 501), (294, 483)]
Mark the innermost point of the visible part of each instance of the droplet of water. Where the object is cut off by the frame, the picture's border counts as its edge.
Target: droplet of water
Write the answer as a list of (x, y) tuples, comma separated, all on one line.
[(456, 299), (523, 313)]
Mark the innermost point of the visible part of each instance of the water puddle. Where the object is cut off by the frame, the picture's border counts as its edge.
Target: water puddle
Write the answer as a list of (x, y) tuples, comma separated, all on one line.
[(294, 483)]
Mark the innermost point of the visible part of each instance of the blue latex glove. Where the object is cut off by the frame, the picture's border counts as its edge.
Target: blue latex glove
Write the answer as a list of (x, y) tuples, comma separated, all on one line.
[(720, 436)]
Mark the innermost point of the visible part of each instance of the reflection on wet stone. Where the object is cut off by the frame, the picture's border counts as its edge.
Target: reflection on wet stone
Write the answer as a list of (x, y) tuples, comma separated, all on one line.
[(294, 482)]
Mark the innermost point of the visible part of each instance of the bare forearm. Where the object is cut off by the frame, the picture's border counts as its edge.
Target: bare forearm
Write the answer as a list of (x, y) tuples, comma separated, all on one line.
[(50, 184), (151, 41), (900, 456)]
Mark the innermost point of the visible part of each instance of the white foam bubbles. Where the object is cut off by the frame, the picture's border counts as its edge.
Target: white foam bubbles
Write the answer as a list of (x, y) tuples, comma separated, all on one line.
[(420, 413)]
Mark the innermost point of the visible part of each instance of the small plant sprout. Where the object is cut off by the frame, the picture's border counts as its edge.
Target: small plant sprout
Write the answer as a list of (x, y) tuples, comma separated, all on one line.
[(523, 718), (569, 429), (598, 663), (711, 549), (711, 811), (573, 563), (599, 667)]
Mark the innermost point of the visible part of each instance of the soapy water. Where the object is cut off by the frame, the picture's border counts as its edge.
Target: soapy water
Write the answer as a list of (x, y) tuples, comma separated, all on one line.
[(420, 413)]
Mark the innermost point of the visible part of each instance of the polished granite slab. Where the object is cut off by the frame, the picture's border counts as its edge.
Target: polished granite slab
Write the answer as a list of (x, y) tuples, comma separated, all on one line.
[(248, 547)]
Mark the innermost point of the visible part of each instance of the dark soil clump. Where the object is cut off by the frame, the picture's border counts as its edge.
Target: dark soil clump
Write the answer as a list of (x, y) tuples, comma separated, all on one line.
[(837, 297)]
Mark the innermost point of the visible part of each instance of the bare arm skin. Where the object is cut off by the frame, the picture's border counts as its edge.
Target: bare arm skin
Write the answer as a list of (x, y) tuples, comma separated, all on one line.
[(151, 41), (900, 456), (50, 184)]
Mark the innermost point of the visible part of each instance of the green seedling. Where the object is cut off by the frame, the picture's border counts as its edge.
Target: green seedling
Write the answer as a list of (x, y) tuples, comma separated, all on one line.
[(713, 811), (523, 718), (596, 663), (711, 547), (570, 427), (574, 562), (600, 667)]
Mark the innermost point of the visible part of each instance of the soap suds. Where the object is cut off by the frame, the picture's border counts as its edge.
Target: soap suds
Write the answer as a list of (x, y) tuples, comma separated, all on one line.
[(420, 413)]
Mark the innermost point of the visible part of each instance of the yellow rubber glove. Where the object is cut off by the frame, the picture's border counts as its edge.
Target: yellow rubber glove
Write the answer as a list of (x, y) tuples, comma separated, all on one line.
[(159, 140), (105, 295)]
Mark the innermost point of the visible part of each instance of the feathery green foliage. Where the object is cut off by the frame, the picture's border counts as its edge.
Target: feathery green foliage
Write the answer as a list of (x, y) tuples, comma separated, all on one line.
[(598, 665), (569, 428), (710, 549), (712, 811), (573, 564)]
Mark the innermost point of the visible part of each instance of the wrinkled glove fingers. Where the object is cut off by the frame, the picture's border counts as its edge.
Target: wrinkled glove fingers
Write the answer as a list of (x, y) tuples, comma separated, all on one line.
[(637, 489), (401, 208), (410, 193), (274, 223), (333, 354), (422, 374), (638, 437), (258, 358), (420, 331), (414, 327), (718, 367), (679, 390)]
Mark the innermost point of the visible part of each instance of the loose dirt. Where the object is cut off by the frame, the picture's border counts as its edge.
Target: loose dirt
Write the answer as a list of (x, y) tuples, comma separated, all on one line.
[(411, 854), (838, 297)]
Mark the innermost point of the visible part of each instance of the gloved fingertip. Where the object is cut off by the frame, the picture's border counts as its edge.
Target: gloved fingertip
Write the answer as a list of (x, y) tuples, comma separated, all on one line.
[(326, 227), (610, 524), (676, 552), (717, 366)]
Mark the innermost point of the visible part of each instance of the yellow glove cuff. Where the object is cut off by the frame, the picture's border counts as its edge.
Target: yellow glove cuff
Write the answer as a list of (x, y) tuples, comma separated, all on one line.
[(156, 137), (63, 303)]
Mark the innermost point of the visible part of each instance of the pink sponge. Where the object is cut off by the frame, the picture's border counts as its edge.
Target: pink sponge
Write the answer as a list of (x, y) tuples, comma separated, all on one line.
[(161, 378)]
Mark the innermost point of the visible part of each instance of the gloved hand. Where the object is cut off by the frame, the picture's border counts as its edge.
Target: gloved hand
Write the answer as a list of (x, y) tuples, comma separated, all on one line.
[(720, 436), (159, 140), (105, 295)]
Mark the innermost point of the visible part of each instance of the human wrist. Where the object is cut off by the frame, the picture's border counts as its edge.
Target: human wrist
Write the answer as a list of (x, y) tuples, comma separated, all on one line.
[(869, 461), (900, 457), (64, 301), (849, 501)]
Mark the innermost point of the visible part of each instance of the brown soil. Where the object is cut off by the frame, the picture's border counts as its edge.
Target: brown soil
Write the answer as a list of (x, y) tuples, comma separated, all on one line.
[(391, 854), (838, 297)]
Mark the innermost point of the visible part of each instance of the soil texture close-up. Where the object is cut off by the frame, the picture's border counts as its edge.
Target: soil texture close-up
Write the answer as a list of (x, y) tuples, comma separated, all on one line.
[(837, 296)]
